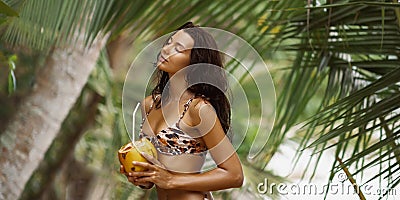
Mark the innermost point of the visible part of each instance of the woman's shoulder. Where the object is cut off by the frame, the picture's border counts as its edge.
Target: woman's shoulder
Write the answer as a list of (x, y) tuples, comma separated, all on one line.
[(147, 100), (199, 102), (199, 106)]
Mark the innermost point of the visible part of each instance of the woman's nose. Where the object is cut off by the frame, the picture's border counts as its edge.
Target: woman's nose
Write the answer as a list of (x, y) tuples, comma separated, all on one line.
[(163, 50), (166, 49)]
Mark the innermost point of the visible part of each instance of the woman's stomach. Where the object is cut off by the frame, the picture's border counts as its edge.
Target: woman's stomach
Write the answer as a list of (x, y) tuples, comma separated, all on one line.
[(164, 194), (184, 163)]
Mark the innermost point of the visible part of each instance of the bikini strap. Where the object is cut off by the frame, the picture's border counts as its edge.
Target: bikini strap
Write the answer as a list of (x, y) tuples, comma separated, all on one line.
[(185, 108), (147, 113), (152, 104)]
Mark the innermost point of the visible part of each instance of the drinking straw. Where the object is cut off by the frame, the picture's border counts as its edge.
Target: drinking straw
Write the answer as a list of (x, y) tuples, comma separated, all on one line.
[(133, 123)]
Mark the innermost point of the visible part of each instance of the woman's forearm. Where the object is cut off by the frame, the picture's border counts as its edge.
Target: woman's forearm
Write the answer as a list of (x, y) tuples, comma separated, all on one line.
[(217, 179)]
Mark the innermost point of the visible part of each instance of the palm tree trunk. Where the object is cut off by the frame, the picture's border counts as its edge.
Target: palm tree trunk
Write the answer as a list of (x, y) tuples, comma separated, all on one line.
[(39, 118), (64, 144)]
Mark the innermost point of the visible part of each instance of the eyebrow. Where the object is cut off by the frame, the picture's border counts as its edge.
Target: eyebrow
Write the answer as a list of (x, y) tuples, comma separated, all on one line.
[(180, 44)]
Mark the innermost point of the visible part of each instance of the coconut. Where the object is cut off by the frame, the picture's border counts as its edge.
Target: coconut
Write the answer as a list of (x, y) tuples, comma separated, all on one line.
[(129, 153)]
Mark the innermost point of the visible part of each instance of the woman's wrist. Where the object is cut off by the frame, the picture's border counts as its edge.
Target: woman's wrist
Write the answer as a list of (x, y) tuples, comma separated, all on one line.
[(174, 182)]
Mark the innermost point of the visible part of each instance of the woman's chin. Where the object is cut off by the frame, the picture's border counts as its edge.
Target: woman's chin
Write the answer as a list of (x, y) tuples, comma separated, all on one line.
[(162, 67)]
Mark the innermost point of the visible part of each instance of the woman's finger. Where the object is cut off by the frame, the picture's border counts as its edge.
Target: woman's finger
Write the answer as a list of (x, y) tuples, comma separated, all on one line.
[(121, 169), (140, 174), (131, 179), (137, 182), (144, 179), (145, 165)]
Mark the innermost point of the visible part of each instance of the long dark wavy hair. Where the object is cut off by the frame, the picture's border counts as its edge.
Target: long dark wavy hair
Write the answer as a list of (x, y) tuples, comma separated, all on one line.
[(206, 65)]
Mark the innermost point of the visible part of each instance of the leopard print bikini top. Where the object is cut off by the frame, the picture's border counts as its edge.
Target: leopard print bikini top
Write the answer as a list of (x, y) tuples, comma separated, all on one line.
[(172, 140)]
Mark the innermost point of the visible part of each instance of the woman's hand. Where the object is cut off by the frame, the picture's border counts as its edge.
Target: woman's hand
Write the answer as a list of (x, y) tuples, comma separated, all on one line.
[(133, 180), (155, 174)]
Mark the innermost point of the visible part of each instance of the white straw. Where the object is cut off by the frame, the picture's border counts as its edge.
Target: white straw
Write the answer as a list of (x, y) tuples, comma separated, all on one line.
[(133, 122)]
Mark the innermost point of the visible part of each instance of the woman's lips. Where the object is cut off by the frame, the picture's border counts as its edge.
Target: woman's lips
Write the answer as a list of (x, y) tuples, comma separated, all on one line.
[(162, 59)]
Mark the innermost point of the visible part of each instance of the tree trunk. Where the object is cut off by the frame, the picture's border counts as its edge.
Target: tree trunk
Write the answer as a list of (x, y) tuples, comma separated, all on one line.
[(64, 145), (38, 120)]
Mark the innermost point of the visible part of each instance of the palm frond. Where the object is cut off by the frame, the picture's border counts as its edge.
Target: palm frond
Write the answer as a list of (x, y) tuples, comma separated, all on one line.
[(349, 51), (7, 10)]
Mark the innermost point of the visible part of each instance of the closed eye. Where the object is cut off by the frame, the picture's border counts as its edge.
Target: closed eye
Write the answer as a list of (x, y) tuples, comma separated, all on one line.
[(178, 50), (177, 44)]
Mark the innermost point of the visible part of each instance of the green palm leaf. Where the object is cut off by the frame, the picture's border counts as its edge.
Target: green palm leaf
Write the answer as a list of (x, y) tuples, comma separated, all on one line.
[(349, 51), (7, 10)]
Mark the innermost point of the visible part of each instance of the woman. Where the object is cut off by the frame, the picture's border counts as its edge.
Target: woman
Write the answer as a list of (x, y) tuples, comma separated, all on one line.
[(187, 116)]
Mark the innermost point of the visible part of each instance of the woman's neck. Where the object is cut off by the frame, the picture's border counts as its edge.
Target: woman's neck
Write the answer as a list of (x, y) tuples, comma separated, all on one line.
[(178, 88)]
